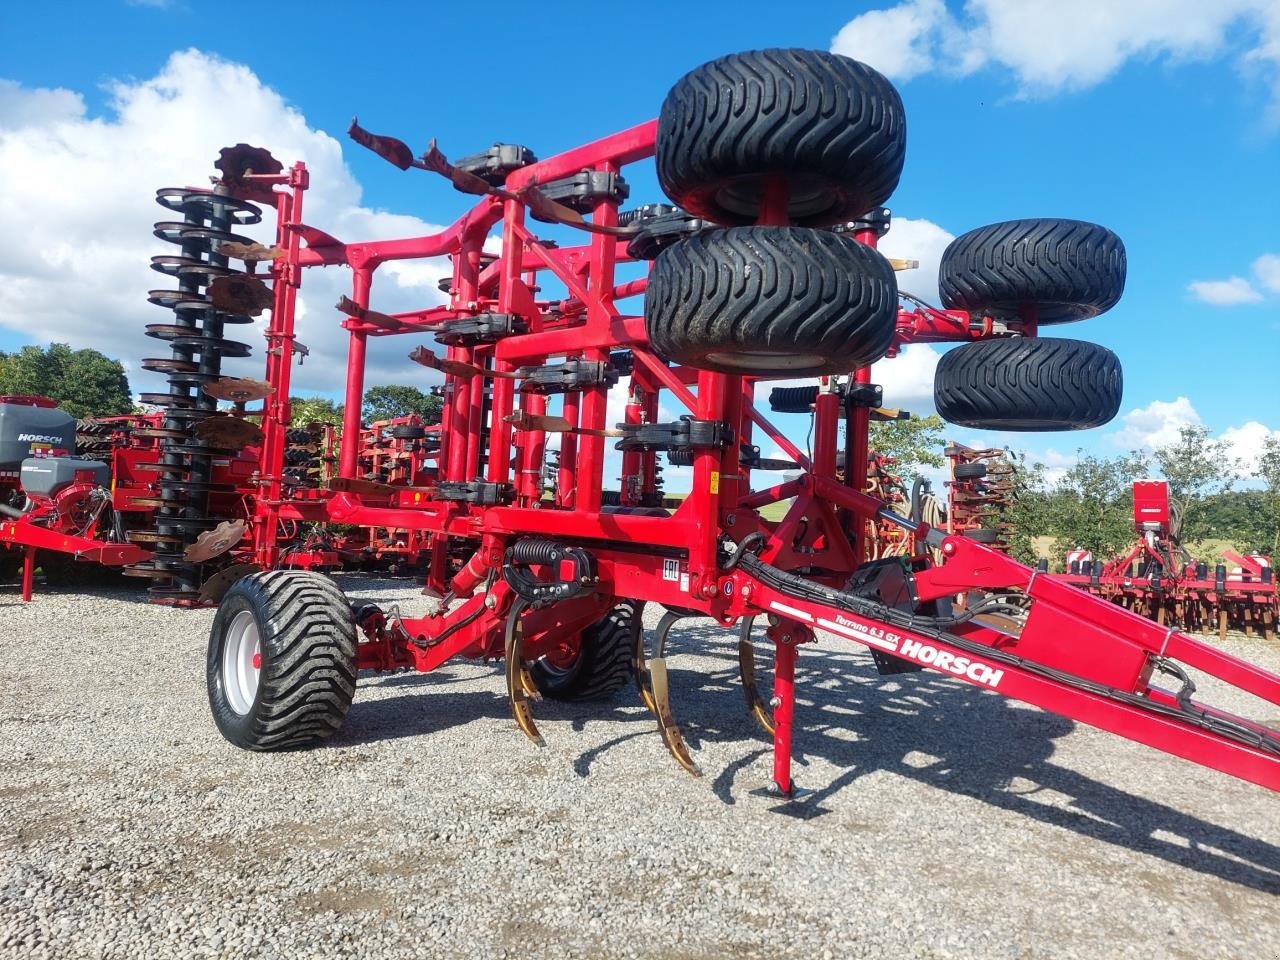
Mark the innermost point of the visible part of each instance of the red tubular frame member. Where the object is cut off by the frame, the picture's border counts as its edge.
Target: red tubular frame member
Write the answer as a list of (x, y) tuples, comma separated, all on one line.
[(1070, 653)]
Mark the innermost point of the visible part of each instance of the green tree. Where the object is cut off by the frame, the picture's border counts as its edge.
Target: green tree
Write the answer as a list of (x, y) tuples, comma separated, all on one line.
[(316, 410), (915, 443), (1269, 473), (394, 400), (84, 383), (1195, 468), (1092, 505), (1026, 511)]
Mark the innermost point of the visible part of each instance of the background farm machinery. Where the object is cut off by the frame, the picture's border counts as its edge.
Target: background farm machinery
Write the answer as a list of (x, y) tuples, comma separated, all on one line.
[(766, 268), (1159, 579)]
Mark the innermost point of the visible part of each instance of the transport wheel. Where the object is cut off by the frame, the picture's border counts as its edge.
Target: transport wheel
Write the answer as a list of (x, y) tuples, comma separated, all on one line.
[(771, 300), (983, 535), (969, 471), (407, 431), (831, 127), (1052, 271), (1028, 384), (602, 665), (281, 668)]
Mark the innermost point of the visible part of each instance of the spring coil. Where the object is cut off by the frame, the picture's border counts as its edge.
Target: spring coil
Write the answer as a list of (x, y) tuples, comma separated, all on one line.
[(535, 550)]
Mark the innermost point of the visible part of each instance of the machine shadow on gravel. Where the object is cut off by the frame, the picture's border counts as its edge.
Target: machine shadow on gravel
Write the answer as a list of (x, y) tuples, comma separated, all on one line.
[(941, 732)]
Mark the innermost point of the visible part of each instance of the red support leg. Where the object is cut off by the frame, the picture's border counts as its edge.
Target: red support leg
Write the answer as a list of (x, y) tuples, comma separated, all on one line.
[(28, 574), (784, 675)]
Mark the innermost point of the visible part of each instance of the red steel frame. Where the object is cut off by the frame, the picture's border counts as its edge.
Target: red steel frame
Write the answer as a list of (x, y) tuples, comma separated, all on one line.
[(1074, 654)]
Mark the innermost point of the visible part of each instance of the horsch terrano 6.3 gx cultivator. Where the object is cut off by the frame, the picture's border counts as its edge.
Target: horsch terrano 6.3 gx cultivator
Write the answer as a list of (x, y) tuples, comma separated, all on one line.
[(778, 163)]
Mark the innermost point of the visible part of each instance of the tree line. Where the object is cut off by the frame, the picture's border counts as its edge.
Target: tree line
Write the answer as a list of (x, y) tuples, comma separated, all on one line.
[(1212, 494)]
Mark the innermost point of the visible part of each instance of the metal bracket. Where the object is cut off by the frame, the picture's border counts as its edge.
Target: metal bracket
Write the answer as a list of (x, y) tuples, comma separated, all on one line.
[(482, 328), (685, 434), (584, 190), (481, 492), (566, 377), (657, 232), (493, 165)]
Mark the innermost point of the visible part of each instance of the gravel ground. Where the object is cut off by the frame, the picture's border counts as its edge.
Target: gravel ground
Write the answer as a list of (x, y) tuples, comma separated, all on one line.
[(947, 822)]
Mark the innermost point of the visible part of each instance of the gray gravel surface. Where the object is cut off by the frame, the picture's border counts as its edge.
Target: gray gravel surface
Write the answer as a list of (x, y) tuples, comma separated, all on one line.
[(947, 822)]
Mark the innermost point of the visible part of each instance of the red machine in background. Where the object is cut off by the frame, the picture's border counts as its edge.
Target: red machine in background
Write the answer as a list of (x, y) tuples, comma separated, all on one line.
[(52, 500), (979, 491), (1159, 579)]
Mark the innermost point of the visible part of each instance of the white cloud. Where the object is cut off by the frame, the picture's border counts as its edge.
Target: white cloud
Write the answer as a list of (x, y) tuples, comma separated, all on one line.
[(1056, 464), (908, 378), (1246, 441), (920, 240), (1051, 46), (1160, 423), (900, 42), (1267, 269), (1157, 424), (21, 107), (81, 188), (1224, 293)]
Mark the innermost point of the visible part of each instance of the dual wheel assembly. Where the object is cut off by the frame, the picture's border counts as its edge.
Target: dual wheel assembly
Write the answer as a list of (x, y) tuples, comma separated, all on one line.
[(782, 154)]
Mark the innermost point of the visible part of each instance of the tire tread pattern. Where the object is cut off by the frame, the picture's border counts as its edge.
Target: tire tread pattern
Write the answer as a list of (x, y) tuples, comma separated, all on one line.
[(308, 676), (804, 113), (785, 291), (607, 652), (1028, 384), (1063, 270)]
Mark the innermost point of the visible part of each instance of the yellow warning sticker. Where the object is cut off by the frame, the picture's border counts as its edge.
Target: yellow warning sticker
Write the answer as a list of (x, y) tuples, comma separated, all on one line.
[(715, 482)]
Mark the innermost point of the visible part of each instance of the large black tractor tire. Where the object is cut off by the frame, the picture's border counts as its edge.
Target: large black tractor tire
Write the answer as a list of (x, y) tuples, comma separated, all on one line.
[(771, 300), (604, 663), (298, 688), (1052, 271), (1028, 384), (832, 127)]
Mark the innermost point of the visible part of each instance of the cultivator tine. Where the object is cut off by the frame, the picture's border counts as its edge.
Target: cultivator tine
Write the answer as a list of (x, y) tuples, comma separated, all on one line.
[(250, 252), (660, 691), (519, 683), (747, 669), (640, 669), (523, 420), (455, 368), (354, 310), (390, 149)]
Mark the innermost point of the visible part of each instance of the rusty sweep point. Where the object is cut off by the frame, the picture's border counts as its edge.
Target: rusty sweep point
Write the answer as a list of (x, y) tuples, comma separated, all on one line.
[(388, 148)]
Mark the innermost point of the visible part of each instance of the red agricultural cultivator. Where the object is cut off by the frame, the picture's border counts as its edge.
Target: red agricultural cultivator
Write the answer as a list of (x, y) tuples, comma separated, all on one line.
[(1160, 580), (777, 163), (979, 492)]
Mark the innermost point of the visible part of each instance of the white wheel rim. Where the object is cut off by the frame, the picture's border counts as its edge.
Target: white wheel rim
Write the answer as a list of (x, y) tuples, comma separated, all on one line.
[(241, 662)]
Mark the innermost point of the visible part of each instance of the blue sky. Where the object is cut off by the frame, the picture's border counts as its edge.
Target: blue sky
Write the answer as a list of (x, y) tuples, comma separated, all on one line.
[(1163, 126)]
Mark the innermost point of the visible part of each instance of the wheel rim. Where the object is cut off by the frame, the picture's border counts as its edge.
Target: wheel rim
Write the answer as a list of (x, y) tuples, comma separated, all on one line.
[(242, 662), (748, 360)]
